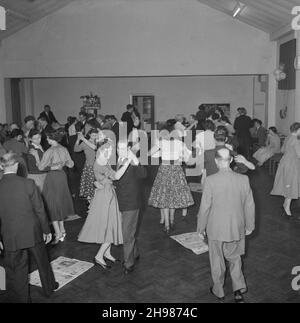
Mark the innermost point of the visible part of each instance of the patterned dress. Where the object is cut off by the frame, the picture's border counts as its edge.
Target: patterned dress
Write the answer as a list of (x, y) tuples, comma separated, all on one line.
[(87, 188), (170, 188)]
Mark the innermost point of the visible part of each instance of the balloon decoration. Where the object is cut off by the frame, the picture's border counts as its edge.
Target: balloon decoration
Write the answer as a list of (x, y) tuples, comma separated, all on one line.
[(279, 73)]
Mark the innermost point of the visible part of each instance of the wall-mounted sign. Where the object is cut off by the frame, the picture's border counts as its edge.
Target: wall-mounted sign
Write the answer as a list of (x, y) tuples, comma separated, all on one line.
[(296, 20), (2, 18)]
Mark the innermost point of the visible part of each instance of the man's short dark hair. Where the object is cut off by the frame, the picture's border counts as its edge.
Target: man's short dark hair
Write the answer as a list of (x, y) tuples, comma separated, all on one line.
[(56, 135), (215, 116), (16, 133), (41, 118), (129, 106), (209, 125), (295, 127), (29, 118), (257, 121), (82, 113), (242, 110), (78, 126)]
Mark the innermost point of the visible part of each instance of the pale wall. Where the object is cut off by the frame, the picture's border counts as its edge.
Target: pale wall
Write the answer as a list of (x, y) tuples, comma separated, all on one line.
[(172, 94), (139, 38), (2, 96), (284, 97)]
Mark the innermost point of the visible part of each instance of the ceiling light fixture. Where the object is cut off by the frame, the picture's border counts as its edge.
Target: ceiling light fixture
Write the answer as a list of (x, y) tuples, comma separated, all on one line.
[(238, 9)]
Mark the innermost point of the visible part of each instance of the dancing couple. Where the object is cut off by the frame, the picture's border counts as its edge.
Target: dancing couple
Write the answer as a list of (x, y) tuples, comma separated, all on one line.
[(108, 222)]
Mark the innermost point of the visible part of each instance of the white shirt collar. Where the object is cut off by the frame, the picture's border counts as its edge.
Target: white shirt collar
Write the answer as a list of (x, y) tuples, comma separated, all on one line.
[(7, 173)]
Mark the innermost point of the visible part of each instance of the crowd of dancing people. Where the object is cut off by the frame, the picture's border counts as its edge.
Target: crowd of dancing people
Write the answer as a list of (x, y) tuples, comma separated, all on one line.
[(49, 154)]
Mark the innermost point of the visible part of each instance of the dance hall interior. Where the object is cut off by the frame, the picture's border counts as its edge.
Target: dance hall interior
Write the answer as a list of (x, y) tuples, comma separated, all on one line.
[(149, 151)]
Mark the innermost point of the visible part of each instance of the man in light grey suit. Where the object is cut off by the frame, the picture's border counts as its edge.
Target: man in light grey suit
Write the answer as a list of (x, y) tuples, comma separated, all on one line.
[(226, 216)]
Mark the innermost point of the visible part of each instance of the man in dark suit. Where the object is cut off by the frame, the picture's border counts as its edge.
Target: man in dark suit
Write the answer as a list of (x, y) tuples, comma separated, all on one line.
[(45, 128), (16, 144), (48, 115), (242, 126), (226, 215), (127, 117), (261, 134), (83, 122), (128, 190), (115, 127), (24, 230)]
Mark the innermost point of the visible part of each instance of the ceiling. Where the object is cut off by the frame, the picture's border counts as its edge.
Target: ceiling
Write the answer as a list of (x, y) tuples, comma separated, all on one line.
[(271, 16), (21, 13)]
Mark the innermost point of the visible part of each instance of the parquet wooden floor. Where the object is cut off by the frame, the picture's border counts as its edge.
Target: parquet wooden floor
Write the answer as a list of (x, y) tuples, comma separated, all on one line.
[(167, 272)]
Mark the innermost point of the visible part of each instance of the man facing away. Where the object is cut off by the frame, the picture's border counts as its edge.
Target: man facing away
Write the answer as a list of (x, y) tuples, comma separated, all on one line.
[(261, 134), (226, 215), (128, 190), (24, 230), (127, 117), (242, 125)]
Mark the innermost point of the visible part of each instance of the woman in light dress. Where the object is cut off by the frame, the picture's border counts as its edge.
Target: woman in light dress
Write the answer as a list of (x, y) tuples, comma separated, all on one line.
[(272, 147), (104, 224), (287, 179)]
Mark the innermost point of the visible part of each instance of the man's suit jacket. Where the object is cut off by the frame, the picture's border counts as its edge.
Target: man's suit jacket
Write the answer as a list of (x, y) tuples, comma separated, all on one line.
[(116, 130), (227, 207), (261, 136), (128, 188), (44, 141), (49, 117), (126, 117), (242, 126), (22, 216)]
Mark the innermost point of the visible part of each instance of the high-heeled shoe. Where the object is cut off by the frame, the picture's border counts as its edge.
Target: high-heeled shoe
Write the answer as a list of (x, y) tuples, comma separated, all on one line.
[(284, 213), (99, 263), (172, 226), (112, 261), (57, 240), (63, 237), (166, 230)]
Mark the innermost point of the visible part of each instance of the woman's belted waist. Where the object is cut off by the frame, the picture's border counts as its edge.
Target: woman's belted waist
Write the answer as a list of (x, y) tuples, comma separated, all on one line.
[(171, 162)]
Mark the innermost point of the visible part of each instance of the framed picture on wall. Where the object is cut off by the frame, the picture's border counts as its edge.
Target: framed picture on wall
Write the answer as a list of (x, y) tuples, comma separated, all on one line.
[(145, 107), (212, 107)]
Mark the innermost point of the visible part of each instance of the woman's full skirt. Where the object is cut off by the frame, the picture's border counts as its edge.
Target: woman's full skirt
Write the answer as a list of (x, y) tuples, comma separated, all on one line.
[(170, 189), (287, 179), (104, 222), (57, 196)]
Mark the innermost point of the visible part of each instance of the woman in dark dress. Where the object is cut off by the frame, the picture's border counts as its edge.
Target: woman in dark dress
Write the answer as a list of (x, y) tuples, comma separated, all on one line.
[(242, 126), (35, 147), (57, 196)]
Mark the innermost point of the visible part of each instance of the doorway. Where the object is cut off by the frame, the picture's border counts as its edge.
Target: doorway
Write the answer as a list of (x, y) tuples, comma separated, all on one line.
[(146, 109)]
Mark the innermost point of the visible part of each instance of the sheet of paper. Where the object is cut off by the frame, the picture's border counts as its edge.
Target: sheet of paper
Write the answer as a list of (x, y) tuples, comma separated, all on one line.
[(65, 270), (192, 241)]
